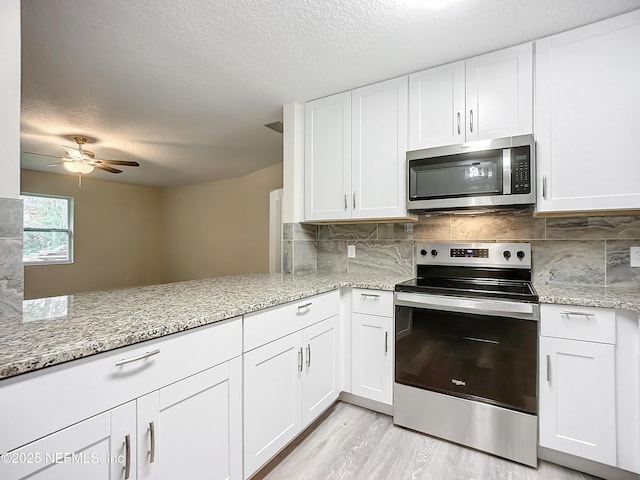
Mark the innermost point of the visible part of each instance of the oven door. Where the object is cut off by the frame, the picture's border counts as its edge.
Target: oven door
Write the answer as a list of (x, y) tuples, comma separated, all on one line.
[(479, 350)]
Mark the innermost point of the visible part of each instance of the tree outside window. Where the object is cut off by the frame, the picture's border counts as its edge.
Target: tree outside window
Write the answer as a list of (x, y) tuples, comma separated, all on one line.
[(47, 229)]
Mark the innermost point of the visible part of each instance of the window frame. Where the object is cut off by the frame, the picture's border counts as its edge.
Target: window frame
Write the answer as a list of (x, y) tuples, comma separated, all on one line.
[(68, 230)]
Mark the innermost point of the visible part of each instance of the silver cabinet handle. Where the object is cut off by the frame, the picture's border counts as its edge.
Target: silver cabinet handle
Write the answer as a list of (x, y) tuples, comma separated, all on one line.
[(152, 438), (458, 123), (369, 295), (386, 342), (142, 356), (471, 121), (579, 314), (548, 369), (345, 201), (354, 200), (127, 456), (306, 305), (544, 186), (300, 360), (308, 355)]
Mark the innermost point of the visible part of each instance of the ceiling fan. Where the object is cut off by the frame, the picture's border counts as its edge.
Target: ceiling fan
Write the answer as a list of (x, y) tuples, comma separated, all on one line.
[(81, 161)]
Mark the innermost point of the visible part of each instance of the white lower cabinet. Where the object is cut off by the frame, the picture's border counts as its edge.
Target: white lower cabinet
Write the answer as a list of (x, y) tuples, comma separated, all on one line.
[(589, 391), (287, 383), (170, 413), (94, 448), (372, 344), (577, 398), (193, 426)]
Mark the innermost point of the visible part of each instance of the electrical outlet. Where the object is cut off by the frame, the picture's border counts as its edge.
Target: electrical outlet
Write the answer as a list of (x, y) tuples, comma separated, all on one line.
[(634, 254), (351, 251)]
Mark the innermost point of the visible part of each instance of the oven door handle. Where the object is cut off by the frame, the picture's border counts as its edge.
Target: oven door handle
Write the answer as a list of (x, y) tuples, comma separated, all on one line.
[(455, 304)]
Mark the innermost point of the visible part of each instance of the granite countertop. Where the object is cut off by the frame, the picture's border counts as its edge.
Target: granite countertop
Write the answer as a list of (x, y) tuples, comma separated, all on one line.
[(59, 329), (590, 296)]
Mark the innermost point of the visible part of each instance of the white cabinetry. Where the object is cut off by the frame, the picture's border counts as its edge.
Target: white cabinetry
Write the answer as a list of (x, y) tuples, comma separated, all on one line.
[(290, 380), (372, 345), (586, 111), (194, 425), (172, 409), (484, 97), (355, 144), (588, 388), (328, 158)]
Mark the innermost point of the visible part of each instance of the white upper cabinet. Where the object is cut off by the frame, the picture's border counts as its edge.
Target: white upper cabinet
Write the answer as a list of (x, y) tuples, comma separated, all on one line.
[(484, 97), (437, 106), (379, 146), (328, 158), (355, 150), (586, 109)]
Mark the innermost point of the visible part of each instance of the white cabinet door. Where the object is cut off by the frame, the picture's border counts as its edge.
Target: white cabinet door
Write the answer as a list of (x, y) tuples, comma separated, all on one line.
[(488, 96), (94, 448), (272, 399), (372, 361), (320, 382), (499, 93), (328, 158), (437, 106), (577, 398), (587, 119), (193, 426), (379, 145)]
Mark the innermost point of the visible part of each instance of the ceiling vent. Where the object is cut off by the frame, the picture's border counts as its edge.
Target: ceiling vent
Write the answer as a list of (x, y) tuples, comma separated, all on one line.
[(275, 126)]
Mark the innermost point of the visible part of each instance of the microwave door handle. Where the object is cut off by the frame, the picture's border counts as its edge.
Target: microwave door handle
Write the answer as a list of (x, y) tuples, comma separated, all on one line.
[(506, 171)]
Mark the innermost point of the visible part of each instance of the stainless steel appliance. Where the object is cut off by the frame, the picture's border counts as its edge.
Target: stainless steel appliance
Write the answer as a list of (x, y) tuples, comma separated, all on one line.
[(466, 343), (484, 173)]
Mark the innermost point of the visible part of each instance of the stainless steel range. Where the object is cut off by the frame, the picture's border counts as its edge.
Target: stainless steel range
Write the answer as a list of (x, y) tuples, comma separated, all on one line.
[(466, 333)]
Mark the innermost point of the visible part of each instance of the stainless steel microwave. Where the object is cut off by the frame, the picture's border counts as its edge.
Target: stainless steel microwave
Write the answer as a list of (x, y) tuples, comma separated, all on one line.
[(483, 173)]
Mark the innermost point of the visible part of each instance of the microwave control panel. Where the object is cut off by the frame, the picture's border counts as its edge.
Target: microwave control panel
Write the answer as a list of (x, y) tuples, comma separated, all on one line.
[(521, 170)]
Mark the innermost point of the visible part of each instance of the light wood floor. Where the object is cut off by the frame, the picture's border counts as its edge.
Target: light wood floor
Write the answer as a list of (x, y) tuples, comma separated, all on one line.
[(353, 443)]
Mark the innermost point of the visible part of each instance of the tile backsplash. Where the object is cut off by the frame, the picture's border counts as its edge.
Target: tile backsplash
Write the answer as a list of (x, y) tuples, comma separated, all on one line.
[(568, 250), (11, 270)]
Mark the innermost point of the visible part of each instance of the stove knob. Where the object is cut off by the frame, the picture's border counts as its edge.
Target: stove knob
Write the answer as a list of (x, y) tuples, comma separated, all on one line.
[(434, 252), (520, 254), (506, 254), (423, 252)]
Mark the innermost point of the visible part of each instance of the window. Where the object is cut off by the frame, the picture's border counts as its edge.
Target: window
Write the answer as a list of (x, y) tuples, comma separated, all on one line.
[(48, 221)]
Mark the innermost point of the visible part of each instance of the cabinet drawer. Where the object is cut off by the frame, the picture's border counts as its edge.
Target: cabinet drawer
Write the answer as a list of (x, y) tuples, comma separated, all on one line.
[(267, 325), (41, 402), (372, 302), (578, 323)]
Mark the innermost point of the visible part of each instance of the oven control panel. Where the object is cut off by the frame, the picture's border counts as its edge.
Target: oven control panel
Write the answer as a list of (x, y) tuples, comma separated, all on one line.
[(513, 255), (469, 252)]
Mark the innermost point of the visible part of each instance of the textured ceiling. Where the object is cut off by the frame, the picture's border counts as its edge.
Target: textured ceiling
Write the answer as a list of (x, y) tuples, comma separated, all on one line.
[(185, 86)]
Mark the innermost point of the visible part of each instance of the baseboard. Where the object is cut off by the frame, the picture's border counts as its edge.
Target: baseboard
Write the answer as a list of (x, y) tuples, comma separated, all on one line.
[(584, 465), (366, 403)]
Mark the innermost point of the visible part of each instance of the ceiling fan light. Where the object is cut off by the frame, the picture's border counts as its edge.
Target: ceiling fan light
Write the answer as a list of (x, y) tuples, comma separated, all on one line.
[(77, 167)]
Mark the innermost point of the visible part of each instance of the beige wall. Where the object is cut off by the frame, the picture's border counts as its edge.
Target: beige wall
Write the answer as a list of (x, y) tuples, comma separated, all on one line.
[(219, 228), (117, 236)]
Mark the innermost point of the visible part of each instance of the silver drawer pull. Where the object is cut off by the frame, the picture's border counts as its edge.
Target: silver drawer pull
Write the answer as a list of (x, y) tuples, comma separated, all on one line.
[(306, 305), (548, 369), (300, 360), (152, 437), (308, 355), (127, 456), (142, 356), (386, 342), (579, 314), (369, 295)]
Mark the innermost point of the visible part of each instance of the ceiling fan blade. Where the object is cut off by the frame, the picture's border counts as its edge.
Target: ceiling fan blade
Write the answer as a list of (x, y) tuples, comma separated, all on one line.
[(106, 168), (40, 154), (125, 163), (54, 164)]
